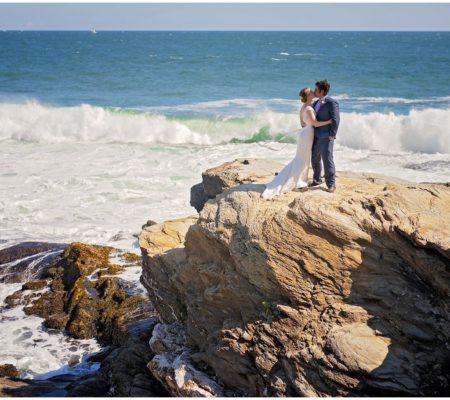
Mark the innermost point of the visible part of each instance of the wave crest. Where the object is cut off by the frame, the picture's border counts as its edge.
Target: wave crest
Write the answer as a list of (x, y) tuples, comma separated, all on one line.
[(424, 130), (36, 122)]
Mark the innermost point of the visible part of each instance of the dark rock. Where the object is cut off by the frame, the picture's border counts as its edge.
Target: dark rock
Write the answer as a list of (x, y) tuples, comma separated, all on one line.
[(82, 305), (133, 257), (35, 285), (123, 371), (13, 299), (57, 320), (27, 249), (73, 360), (32, 258), (198, 197), (92, 385), (149, 223), (15, 387), (8, 370)]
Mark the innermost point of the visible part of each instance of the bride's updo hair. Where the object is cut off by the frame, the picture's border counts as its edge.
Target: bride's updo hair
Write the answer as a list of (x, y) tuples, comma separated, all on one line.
[(304, 94)]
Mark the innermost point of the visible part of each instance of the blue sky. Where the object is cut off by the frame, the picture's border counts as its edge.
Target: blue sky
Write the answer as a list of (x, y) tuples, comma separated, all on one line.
[(217, 16)]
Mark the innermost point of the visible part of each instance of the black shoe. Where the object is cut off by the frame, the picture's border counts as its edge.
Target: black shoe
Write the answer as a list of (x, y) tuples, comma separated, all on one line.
[(315, 183)]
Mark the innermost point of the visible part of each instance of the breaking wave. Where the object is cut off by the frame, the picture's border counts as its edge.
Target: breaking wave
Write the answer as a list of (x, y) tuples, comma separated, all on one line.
[(421, 130)]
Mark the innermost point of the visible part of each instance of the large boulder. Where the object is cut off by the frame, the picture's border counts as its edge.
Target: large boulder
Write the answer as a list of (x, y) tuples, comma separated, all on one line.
[(28, 260), (242, 170), (312, 293)]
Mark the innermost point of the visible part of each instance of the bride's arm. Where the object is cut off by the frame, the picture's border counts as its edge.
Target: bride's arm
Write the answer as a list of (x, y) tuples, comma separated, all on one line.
[(314, 122), (302, 123)]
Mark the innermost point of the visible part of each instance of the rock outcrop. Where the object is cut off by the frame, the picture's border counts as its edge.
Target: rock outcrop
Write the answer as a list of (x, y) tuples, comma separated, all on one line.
[(309, 294), (81, 295), (28, 260), (123, 370), (242, 170), (81, 291)]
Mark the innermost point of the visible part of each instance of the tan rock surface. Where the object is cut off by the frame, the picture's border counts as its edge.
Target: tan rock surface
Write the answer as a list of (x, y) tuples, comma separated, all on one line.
[(313, 293), (242, 170)]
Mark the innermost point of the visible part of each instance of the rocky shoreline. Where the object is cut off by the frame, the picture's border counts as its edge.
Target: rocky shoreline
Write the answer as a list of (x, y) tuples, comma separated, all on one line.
[(78, 291), (309, 294)]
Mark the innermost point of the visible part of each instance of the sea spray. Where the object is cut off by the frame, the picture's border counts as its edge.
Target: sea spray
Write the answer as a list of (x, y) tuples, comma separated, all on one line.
[(421, 130)]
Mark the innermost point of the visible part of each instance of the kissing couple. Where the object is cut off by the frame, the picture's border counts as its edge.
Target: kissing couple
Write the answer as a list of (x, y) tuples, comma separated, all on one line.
[(320, 121)]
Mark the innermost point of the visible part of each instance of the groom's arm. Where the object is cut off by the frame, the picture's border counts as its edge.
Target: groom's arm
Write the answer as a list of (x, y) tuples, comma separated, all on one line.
[(335, 118)]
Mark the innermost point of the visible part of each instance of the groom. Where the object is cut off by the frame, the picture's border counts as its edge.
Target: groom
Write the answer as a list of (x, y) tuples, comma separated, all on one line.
[(326, 108)]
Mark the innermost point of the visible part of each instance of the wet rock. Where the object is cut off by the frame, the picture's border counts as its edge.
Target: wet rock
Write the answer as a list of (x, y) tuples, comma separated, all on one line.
[(28, 260), (123, 371), (15, 387), (81, 260), (310, 294), (35, 285), (8, 370), (27, 249), (57, 320), (85, 304), (74, 360), (132, 257), (92, 385), (149, 223), (13, 299)]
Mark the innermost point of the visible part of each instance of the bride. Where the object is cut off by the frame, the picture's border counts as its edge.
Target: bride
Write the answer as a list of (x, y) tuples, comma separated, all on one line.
[(295, 174)]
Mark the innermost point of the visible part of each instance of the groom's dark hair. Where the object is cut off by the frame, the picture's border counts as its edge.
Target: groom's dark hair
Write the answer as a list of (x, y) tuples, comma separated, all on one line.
[(323, 86)]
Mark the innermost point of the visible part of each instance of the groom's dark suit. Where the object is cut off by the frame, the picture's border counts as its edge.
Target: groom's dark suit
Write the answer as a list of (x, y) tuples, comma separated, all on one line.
[(324, 141)]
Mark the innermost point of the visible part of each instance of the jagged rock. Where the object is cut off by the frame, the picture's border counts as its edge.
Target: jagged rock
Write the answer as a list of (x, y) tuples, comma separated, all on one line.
[(166, 238), (35, 285), (82, 297), (174, 365), (216, 180), (16, 387), (149, 223), (28, 260), (123, 371), (312, 293), (8, 370)]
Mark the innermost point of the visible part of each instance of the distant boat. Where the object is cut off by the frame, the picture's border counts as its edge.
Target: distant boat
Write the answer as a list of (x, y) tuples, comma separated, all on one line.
[(93, 31)]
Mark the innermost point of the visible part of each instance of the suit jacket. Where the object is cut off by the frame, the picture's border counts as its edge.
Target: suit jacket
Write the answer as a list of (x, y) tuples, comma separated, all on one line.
[(328, 110)]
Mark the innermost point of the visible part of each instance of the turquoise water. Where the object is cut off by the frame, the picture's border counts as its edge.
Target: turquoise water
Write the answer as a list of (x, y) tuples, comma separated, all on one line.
[(369, 71)]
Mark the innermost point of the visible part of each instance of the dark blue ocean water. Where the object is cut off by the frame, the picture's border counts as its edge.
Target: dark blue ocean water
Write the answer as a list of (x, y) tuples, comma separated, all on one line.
[(369, 71)]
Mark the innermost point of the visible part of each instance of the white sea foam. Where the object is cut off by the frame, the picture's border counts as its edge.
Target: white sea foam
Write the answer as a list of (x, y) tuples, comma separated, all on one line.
[(422, 130), (103, 193), (34, 350), (36, 122)]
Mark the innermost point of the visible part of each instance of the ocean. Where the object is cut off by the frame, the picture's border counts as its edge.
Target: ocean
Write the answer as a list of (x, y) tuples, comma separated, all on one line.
[(100, 132)]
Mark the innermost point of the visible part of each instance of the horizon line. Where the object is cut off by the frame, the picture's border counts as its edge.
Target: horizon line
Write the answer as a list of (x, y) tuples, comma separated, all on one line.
[(3, 30)]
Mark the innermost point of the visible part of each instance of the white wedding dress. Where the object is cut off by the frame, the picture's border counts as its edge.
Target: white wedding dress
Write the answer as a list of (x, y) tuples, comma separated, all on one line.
[(295, 174)]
